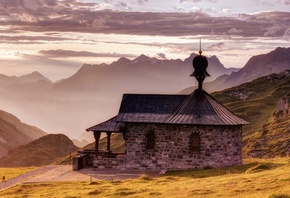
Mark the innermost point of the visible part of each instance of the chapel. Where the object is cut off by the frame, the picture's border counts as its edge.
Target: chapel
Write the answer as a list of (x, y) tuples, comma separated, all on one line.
[(171, 132)]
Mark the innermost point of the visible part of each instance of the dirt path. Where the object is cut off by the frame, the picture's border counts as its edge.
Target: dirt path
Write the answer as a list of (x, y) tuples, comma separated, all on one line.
[(53, 173), (23, 177)]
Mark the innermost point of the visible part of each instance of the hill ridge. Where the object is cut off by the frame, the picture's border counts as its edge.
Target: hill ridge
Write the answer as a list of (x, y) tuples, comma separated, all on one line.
[(42, 151)]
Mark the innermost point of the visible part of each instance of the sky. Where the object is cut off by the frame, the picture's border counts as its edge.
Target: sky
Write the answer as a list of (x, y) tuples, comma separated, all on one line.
[(56, 37)]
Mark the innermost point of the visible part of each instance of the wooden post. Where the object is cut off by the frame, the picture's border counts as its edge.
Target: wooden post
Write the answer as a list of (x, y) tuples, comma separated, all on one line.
[(109, 141), (97, 136)]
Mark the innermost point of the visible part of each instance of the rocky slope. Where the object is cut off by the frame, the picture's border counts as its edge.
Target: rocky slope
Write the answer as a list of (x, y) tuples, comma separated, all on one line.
[(273, 139)]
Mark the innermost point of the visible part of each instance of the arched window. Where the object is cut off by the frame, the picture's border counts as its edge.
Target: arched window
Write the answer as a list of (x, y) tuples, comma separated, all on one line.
[(150, 139), (195, 143)]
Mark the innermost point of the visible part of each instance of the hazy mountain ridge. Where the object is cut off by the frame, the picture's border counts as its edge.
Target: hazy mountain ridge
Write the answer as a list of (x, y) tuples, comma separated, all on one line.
[(275, 61), (14, 133), (260, 65), (6, 81), (255, 101), (33, 77), (174, 73), (42, 151), (95, 91)]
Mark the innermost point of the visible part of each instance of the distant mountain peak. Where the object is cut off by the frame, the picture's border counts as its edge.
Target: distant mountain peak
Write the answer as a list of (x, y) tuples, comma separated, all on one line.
[(122, 60), (142, 57), (32, 77)]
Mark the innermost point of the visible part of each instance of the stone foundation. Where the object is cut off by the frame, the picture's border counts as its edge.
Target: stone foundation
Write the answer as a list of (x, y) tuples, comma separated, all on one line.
[(110, 163)]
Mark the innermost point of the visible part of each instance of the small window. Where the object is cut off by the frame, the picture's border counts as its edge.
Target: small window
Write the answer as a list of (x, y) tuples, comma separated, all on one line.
[(150, 139), (195, 142)]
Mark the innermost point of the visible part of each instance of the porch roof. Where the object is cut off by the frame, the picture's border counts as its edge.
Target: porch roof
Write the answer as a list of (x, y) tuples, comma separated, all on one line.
[(110, 125)]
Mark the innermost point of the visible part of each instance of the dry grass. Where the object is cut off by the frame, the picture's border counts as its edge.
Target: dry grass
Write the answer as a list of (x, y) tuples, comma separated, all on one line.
[(272, 181), (13, 172)]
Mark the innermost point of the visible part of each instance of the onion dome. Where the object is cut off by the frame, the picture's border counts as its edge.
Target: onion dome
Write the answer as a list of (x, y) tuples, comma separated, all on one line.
[(200, 64)]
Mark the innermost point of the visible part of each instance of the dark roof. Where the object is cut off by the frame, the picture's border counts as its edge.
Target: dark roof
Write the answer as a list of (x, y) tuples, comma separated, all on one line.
[(110, 125), (150, 108), (203, 109), (198, 108)]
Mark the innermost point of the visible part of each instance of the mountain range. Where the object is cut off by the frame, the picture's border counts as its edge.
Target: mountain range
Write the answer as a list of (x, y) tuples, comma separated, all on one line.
[(94, 92), (257, 66), (263, 101)]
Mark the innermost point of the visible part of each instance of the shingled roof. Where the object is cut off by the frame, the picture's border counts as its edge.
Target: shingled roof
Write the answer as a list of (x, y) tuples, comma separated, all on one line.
[(198, 108), (148, 108), (110, 125)]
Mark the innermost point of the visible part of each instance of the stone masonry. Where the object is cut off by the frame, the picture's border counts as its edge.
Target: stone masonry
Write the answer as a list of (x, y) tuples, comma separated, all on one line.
[(219, 146)]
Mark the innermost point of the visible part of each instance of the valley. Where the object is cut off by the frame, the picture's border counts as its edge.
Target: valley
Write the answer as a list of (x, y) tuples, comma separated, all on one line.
[(86, 93)]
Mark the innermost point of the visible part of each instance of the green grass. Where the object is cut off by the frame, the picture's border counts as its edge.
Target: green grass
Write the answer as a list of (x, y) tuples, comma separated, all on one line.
[(273, 138), (257, 179), (14, 172), (257, 108)]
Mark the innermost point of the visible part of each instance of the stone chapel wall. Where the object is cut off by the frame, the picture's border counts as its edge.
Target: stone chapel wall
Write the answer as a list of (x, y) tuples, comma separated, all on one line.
[(219, 146)]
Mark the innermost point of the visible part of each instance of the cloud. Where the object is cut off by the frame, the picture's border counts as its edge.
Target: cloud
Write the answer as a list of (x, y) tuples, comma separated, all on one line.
[(273, 30), (286, 35), (287, 2), (197, 1), (161, 56), (225, 11), (235, 31), (219, 45), (75, 16), (122, 5), (70, 53), (142, 2), (24, 39), (193, 1)]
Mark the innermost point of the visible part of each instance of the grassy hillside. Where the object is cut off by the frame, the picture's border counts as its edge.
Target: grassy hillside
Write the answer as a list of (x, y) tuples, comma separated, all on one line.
[(271, 140), (42, 151), (117, 143), (258, 179), (255, 102)]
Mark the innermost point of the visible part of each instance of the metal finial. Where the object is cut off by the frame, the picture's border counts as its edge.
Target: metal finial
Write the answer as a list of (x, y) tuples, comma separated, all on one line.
[(200, 47)]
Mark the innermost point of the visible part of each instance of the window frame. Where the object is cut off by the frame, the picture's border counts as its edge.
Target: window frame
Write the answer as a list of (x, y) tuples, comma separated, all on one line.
[(195, 143), (151, 139)]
